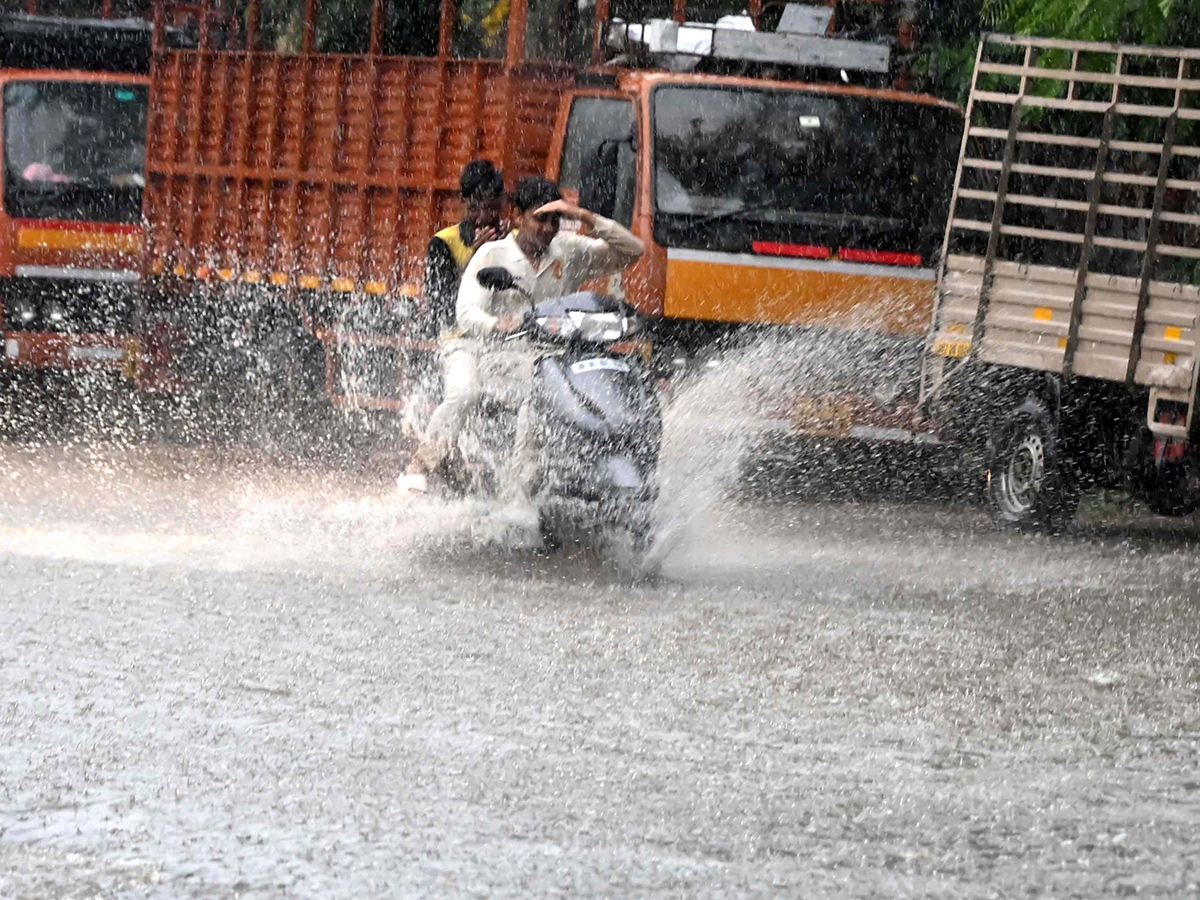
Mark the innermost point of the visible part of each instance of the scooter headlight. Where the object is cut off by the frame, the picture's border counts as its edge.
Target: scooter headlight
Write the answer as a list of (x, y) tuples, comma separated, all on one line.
[(562, 326), (595, 327)]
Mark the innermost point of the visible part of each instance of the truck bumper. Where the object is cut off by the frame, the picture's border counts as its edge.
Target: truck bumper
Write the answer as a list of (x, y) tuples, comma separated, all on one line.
[(48, 350)]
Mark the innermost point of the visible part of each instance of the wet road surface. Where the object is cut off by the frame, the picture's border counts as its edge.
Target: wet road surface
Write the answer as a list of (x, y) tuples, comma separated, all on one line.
[(222, 679)]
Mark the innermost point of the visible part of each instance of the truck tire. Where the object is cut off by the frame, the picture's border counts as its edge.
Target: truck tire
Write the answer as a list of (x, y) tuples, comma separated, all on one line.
[(287, 390), (1174, 488), (1029, 484)]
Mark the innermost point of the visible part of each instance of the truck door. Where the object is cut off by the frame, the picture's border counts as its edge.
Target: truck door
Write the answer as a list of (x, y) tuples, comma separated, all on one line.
[(598, 162)]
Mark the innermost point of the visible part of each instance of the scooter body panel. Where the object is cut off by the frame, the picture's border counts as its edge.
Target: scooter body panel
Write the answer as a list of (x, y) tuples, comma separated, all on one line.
[(599, 427)]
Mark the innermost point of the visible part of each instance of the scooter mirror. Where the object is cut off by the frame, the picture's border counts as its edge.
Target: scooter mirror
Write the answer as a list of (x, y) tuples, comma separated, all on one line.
[(496, 278)]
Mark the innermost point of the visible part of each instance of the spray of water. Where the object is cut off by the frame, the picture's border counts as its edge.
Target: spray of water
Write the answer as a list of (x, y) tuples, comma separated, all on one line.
[(276, 514), (717, 417)]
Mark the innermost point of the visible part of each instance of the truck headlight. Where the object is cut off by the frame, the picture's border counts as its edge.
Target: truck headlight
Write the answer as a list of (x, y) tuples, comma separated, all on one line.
[(54, 311), (24, 311)]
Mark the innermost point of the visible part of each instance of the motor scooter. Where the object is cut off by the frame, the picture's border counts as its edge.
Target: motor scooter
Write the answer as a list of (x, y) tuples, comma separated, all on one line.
[(597, 422)]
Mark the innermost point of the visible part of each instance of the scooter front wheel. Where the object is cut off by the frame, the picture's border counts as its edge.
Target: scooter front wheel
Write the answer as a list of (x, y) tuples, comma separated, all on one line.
[(627, 541)]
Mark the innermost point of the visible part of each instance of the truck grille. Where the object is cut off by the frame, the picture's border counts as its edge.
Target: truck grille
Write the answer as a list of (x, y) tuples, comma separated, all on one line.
[(67, 307)]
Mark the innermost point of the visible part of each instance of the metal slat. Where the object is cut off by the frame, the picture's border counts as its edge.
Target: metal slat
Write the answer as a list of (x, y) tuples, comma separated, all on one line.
[(1166, 83), (1069, 140), (290, 257), (1062, 237), (989, 260), (1089, 232), (971, 224), (1149, 261), (1182, 252), (1031, 169), (992, 165), (1104, 209), (201, 75), (330, 265), (1042, 234), (242, 107), (1093, 106), (1121, 244), (1089, 46), (1028, 200)]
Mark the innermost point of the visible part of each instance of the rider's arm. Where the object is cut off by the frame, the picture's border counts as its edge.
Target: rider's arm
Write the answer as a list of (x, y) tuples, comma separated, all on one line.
[(475, 301), (610, 247)]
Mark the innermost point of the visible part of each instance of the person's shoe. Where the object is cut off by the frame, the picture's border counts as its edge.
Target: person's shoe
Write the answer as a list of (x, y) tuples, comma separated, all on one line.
[(412, 483)]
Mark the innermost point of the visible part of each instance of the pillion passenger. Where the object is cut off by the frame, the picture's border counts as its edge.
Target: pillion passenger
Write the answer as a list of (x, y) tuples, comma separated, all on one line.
[(482, 189)]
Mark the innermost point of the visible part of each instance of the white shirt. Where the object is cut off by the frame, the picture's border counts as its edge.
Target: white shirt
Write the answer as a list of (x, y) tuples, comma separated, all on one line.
[(569, 261)]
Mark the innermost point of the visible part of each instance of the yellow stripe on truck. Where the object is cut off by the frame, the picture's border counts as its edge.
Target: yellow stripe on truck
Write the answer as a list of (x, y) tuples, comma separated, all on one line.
[(736, 287), (66, 239)]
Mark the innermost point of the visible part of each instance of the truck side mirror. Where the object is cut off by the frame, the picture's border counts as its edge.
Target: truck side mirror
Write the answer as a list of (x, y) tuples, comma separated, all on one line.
[(598, 191)]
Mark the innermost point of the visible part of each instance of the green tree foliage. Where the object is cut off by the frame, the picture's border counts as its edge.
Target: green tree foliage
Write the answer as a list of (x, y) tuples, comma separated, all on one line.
[(1127, 21), (950, 29)]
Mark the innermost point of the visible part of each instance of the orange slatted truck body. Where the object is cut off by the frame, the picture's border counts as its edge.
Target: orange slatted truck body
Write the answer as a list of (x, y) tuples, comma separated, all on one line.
[(320, 179), (298, 191), (71, 232)]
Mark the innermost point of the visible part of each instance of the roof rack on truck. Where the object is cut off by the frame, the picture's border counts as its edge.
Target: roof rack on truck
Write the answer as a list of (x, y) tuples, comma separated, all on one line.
[(799, 39)]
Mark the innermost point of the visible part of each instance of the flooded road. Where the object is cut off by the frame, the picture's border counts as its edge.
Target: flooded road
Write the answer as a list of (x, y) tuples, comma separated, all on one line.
[(221, 679)]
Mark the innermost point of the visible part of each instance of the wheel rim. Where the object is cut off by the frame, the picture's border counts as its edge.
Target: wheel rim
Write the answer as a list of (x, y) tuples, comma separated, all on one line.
[(1020, 480)]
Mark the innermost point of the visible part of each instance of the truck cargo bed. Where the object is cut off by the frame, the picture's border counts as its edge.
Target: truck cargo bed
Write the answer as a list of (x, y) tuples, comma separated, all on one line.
[(1073, 244), (326, 171)]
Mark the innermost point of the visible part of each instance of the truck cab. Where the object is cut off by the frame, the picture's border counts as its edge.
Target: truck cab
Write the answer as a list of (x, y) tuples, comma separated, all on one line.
[(767, 202), (73, 139)]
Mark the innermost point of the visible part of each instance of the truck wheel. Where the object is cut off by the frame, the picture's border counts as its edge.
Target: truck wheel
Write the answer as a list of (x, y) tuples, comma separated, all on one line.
[(1174, 489), (1029, 485), (287, 389)]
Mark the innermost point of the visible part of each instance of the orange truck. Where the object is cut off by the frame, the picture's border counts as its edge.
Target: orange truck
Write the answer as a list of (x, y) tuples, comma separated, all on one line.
[(73, 111), (774, 171)]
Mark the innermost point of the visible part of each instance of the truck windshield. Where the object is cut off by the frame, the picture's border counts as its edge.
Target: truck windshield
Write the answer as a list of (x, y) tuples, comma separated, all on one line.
[(74, 150), (734, 166)]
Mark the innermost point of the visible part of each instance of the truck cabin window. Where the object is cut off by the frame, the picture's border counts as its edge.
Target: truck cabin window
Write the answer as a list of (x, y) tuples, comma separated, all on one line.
[(74, 150), (598, 157), (736, 166)]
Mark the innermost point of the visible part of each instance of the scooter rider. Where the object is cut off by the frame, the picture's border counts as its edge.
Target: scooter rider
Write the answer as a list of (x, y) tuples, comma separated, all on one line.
[(545, 264)]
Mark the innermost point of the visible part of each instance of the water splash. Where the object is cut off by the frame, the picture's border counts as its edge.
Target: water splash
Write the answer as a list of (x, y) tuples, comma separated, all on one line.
[(718, 417)]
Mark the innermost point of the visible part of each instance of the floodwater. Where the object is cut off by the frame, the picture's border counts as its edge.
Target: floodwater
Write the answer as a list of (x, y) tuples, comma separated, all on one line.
[(220, 678)]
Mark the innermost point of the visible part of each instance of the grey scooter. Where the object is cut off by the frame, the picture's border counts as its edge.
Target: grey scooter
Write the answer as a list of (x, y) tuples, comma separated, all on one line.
[(596, 417)]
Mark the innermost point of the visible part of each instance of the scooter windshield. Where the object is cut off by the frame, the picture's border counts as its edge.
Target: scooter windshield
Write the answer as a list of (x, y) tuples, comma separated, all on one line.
[(581, 302), (586, 316)]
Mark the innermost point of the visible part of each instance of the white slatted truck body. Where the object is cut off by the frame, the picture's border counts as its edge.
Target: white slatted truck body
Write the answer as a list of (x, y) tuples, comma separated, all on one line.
[(1063, 346)]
